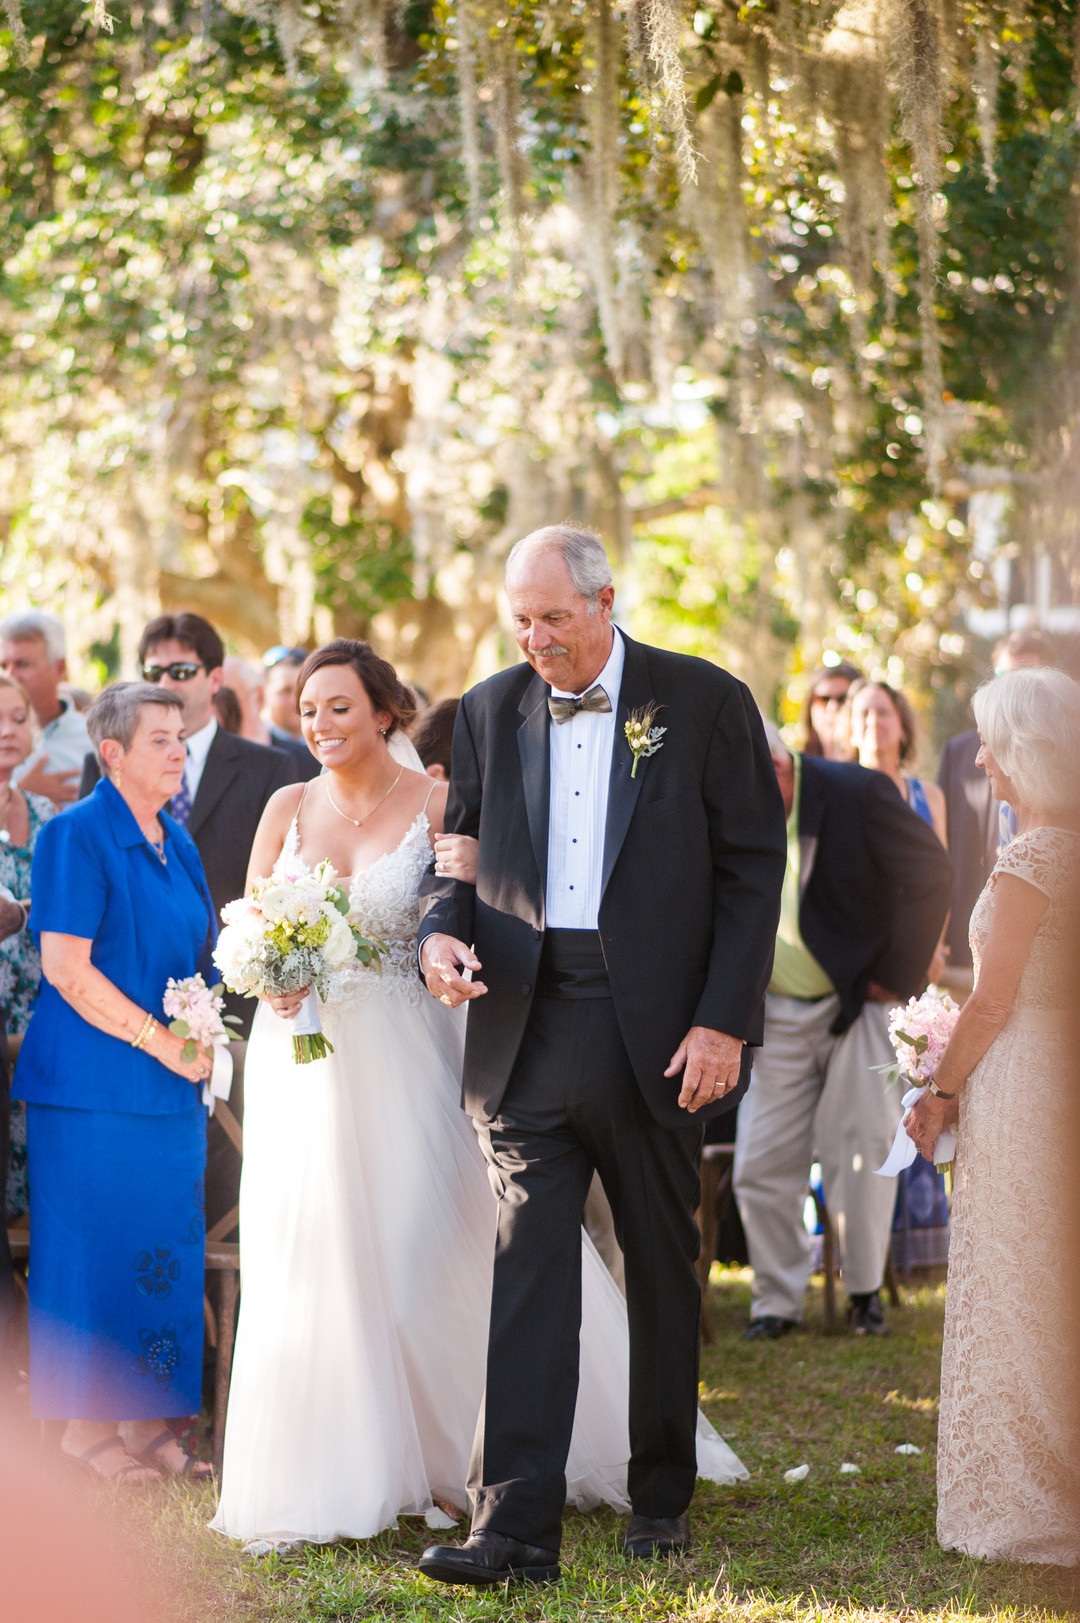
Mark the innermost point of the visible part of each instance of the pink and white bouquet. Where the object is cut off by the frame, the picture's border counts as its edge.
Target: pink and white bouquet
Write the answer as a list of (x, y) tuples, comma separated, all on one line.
[(194, 1011), (292, 933), (919, 1031)]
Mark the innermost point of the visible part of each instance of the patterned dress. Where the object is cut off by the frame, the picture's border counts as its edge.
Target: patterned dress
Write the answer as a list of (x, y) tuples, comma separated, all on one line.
[(1005, 1441), (20, 973)]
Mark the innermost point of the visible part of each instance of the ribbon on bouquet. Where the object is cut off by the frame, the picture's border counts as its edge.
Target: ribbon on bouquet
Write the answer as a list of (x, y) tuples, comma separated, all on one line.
[(220, 1083), (903, 1150), (306, 1022)]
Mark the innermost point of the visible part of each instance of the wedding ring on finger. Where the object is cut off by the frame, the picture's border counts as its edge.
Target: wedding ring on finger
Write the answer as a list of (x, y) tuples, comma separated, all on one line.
[(447, 999)]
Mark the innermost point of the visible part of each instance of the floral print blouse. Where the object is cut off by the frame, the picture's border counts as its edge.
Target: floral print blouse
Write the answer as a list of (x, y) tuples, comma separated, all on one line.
[(20, 973)]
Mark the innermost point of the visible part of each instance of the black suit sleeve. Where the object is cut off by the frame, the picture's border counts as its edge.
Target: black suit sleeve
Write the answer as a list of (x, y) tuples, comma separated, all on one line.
[(915, 868), (748, 838), (449, 905)]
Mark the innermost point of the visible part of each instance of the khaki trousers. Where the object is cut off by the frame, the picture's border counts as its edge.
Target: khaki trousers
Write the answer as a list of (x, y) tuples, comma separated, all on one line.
[(813, 1096)]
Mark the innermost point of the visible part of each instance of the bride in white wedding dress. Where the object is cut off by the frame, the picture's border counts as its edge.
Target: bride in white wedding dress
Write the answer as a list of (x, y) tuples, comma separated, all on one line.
[(367, 1223)]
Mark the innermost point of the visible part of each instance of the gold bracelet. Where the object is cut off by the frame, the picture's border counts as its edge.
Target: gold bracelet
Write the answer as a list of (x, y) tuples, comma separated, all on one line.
[(149, 1026)]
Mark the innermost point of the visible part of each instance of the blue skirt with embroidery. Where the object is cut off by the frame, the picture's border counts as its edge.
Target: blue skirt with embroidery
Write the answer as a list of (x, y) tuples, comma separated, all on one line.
[(117, 1239)]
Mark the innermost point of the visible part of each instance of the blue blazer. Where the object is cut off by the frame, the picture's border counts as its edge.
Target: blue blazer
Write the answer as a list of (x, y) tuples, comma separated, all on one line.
[(95, 875)]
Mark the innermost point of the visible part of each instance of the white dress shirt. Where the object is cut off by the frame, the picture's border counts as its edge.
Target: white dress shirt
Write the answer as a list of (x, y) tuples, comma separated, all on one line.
[(580, 760), (198, 748)]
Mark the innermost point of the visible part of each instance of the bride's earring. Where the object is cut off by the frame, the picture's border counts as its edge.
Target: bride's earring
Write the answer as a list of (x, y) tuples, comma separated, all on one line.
[(382, 732)]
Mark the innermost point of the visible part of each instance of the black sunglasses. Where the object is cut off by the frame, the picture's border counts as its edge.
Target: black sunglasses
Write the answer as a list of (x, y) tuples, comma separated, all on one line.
[(181, 670), (274, 656)]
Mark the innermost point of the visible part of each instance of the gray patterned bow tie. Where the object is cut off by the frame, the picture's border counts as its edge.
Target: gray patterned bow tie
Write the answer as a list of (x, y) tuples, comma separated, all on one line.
[(566, 709)]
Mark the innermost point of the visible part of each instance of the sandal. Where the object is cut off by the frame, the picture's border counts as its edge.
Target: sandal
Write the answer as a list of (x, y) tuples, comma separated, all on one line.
[(147, 1472), (197, 1470)]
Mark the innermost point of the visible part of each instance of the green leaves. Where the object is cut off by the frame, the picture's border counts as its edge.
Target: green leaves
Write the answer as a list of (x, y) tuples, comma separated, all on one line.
[(920, 1043)]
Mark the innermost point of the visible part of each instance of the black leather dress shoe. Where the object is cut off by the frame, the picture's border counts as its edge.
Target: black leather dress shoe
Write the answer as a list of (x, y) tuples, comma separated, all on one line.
[(866, 1315), (769, 1328), (657, 1535), (488, 1558)]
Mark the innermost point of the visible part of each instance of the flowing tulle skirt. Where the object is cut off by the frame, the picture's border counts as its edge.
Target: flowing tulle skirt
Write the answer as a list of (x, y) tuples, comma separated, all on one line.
[(368, 1230)]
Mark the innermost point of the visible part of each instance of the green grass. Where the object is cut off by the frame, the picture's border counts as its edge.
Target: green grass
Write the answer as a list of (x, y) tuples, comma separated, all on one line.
[(829, 1547)]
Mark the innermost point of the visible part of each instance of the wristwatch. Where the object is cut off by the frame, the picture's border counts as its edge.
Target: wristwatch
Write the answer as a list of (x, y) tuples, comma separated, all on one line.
[(939, 1093)]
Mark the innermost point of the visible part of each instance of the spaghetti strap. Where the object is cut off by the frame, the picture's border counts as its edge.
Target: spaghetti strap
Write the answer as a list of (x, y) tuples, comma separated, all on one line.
[(431, 791)]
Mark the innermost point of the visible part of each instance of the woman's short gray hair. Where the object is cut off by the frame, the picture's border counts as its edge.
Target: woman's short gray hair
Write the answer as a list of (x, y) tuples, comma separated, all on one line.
[(581, 550), (1029, 720), (115, 712)]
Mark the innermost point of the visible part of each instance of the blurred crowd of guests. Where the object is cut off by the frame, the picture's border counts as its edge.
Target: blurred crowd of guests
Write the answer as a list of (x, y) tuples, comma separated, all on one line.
[(876, 904), (884, 868)]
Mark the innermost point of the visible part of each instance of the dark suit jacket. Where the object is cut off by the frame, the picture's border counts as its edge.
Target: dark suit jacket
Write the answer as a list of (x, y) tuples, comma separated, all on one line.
[(875, 883), (694, 855), (973, 835), (307, 767), (237, 780)]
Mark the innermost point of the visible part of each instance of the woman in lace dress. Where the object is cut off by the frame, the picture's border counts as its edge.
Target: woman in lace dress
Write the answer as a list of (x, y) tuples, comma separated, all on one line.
[(1007, 1430), (367, 1223)]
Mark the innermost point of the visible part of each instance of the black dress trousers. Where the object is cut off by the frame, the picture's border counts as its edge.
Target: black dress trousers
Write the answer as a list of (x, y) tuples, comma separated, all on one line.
[(572, 1105)]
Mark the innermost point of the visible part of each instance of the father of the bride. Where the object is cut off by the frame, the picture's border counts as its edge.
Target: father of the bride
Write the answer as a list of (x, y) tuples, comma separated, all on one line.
[(620, 934)]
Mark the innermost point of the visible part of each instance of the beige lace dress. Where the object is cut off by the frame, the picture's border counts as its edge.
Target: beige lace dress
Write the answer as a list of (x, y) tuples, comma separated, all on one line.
[(1007, 1371)]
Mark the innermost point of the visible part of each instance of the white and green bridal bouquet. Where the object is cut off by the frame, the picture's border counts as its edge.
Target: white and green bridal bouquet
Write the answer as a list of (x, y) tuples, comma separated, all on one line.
[(292, 932)]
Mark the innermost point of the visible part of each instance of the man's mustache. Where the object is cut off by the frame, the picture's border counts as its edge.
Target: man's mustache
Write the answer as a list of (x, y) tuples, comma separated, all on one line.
[(550, 650)]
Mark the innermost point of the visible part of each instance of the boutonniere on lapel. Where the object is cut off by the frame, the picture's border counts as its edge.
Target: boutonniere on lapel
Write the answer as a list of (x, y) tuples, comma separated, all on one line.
[(643, 738)]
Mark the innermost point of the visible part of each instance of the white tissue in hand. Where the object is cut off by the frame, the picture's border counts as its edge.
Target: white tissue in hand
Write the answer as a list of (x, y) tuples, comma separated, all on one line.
[(847, 1469), (796, 1473), (903, 1150), (907, 1448)]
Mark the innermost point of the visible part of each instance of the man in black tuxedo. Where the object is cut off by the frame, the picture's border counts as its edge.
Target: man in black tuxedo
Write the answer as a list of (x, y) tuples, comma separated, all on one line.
[(227, 782), (623, 923), (865, 895)]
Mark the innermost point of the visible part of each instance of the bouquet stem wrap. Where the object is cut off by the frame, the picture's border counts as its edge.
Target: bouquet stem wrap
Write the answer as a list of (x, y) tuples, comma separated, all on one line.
[(308, 1040)]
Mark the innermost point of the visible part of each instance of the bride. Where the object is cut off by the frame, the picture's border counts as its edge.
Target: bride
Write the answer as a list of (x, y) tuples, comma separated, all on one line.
[(367, 1224)]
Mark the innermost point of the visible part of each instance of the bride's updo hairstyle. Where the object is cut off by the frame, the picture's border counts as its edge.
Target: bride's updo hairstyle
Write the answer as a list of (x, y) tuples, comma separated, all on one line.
[(1030, 722), (379, 679)]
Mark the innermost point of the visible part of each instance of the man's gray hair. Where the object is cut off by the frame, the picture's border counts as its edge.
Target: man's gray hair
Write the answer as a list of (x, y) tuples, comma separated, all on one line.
[(581, 550), (1030, 722), (115, 712), (36, 625)]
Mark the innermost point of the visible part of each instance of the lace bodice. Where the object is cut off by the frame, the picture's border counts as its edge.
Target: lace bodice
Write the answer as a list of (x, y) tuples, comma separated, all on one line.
[(1046, 858), (384, 901)]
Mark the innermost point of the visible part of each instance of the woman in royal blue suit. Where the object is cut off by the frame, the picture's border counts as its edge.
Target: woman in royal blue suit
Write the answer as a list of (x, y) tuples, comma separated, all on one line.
[(116, 1132)]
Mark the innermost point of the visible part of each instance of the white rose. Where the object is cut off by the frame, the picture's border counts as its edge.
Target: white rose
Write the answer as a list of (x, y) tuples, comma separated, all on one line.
[(339, 945)]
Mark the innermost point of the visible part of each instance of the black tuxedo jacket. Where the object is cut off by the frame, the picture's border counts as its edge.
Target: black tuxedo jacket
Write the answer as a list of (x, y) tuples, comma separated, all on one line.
[(875, 883), (694, 855), (972, 815), (237, 780)]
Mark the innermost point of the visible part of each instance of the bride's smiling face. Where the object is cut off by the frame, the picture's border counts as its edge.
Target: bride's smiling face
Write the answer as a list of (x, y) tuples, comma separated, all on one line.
[(339, 722)]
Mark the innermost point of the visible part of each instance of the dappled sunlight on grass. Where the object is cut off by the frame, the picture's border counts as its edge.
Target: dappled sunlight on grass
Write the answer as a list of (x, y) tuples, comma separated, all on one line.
[(831, 1547)]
